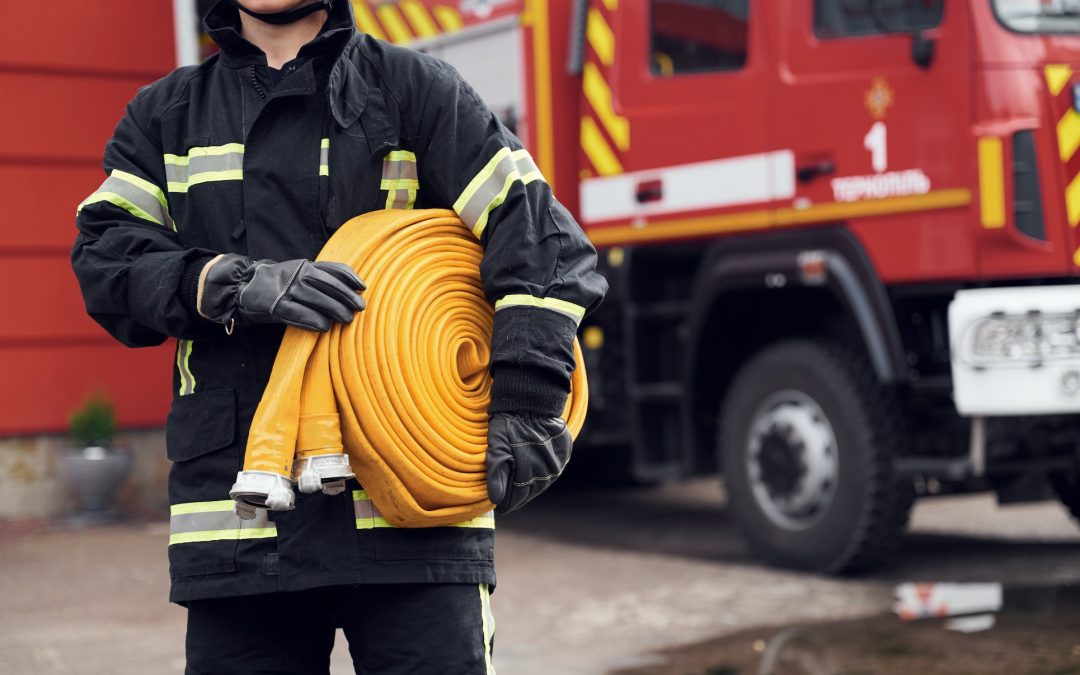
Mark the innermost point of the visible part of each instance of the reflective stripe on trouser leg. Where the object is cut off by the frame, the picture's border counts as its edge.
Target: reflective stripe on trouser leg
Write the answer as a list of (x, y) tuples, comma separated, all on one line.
[(489, 626)]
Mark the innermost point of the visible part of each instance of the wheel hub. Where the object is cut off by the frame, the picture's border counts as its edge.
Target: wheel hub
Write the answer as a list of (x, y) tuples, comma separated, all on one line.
[(792, 459)]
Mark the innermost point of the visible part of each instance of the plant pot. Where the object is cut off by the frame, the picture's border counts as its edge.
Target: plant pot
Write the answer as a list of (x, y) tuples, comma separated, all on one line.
[(94, 475)]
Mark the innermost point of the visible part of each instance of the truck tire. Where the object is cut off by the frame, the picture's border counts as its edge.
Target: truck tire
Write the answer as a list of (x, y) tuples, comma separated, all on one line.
[(807, 439)]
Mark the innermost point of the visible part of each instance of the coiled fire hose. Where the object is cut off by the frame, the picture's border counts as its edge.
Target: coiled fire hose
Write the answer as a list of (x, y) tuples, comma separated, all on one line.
[(403, 389)]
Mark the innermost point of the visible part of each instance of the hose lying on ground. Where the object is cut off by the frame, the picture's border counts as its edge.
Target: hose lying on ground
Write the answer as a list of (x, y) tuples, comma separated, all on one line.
[(405, 386)]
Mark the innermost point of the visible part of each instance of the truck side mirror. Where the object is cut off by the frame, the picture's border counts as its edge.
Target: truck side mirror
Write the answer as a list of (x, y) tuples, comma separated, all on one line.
[(922, 49)]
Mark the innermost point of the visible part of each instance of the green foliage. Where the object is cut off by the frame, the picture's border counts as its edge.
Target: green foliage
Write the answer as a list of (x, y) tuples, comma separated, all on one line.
[(94, 422)]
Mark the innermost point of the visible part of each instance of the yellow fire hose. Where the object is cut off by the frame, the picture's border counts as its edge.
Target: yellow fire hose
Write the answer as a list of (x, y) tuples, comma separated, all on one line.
[(405, 387)]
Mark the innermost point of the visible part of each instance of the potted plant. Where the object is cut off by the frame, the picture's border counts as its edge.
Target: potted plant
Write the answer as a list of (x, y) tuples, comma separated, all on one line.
[(93, 468)]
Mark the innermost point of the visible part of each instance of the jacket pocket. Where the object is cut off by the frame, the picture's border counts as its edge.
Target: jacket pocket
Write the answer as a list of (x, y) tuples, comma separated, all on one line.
[(200, 423), (200, 437)]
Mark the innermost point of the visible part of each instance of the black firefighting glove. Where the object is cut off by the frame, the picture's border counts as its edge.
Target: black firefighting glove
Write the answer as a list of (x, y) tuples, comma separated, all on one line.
[(525, 454), (300, 293)]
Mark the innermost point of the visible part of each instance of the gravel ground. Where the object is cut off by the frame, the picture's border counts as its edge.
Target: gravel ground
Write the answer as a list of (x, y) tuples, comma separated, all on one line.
[(589, 582)]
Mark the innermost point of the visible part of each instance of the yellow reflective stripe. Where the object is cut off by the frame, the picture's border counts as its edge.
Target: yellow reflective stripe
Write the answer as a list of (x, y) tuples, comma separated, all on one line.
[(991, 182), (365, 20), (201, 507), (375, 519), (488, 619), (577, 312), (117, 200), (400, 184), (144, 185), (480, 178), (223, 535), (324, 157), (401, 156), (210, 151), (207, 177), (1072, 201), (183, 364), (325, 143), (324, 170), (490, 187)]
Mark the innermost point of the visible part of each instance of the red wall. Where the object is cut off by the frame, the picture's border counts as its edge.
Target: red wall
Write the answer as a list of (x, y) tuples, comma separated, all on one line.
[(67, 68)]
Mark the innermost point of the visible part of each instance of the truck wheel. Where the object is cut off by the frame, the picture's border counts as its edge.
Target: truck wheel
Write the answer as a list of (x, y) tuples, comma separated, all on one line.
[(807, 438), (1067, 487)]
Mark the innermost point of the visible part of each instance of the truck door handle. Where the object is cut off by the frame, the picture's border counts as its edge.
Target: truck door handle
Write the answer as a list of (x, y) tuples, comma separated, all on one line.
[(811, 170), (650, 191)]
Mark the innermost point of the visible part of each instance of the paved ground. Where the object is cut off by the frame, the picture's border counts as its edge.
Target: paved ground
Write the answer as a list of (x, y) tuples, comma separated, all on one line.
[(589, 582)]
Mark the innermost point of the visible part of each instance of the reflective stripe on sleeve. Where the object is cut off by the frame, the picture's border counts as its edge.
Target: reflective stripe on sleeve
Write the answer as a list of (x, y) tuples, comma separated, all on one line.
[(488, 190), (368, 516), (400, 179), (193, 522), (324, 157), (575, 312), (136, 195), (204, 165)]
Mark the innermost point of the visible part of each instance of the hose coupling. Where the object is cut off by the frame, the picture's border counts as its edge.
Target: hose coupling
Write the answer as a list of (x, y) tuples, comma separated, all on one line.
[(261, 489), (327, 473)]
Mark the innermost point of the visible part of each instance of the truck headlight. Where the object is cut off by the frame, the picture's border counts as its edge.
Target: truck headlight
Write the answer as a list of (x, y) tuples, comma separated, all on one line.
[(1024, 339)]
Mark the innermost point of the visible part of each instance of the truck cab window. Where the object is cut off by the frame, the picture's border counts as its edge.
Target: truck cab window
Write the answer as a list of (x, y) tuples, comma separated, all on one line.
[(695, 36), (845, 18)]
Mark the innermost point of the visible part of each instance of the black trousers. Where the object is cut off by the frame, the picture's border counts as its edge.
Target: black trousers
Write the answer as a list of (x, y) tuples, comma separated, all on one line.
[(392, 629)]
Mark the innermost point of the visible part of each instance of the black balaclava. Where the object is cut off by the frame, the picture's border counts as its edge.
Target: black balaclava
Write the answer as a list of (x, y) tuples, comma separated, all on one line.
[(280, 18)]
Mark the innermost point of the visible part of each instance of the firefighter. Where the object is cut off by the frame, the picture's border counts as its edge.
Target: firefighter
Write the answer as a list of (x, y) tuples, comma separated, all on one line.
[(223, 182)]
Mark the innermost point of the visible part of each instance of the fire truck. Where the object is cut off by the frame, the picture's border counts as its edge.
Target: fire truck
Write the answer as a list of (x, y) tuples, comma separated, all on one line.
[(841, 237)]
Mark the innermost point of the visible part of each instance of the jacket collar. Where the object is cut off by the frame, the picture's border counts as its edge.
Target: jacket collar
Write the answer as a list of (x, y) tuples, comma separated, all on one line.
[(222, 24)]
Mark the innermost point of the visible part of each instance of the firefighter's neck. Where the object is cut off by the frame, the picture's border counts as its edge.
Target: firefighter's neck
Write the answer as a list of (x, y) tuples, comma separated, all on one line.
[(282, 43)]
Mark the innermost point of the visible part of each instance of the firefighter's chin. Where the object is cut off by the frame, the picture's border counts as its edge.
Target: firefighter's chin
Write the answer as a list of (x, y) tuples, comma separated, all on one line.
[(275, 6)]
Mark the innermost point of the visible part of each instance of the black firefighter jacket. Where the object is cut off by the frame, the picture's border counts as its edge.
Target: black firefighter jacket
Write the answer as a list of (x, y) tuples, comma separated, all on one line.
[(229, 156)]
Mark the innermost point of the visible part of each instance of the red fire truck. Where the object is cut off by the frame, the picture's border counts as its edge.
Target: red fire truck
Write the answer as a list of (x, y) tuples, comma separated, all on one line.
[(841, 237)]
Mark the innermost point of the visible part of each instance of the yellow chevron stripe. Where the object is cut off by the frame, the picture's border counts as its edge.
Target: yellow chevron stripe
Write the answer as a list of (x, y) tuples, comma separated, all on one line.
[(599, 95), (612, 5), (597, 149), (538, 18), (752, 220), (394, 24), (1057, 76), (1068, 133), (600, 36), (1072, 201), (365, 20), (1076, 257), (418, 16), (449, 18)]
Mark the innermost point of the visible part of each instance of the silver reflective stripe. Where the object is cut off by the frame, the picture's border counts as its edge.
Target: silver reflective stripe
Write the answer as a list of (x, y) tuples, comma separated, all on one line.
[(575, 312), (489, 188), (136, 195), (204, 165), (193, 522), (324, 157), (368, 516), (183, 364), (400, 179)]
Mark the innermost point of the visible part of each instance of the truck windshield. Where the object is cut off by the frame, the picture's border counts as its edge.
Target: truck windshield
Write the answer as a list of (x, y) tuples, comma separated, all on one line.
[(1039, 16)]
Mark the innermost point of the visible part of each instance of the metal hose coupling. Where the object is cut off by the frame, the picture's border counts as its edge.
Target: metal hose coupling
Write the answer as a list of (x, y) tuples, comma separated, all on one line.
[(261, 489), (327, 473)]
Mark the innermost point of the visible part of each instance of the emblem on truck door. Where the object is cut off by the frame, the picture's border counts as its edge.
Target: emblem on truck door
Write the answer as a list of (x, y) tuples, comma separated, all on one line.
[(879, 98)]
